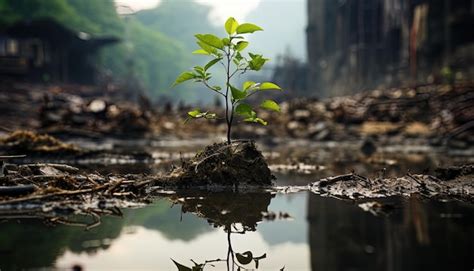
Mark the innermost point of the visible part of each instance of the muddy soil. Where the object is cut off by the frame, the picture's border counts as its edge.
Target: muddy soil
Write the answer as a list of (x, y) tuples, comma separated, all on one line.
[(237, 164)]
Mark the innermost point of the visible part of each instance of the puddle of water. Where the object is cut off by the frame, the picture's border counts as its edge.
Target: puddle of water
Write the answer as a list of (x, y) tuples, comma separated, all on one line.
[(321, 234)]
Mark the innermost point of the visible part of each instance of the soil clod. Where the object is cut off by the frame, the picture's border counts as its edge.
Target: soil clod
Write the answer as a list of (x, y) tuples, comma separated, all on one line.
[(236, 164)]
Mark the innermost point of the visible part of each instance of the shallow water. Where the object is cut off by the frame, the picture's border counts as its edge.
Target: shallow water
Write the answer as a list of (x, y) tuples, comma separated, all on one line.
[(322, 234), (298, 231)]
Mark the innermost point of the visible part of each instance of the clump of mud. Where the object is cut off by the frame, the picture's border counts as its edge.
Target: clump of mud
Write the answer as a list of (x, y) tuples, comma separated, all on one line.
[(30, 142), (239, 163)]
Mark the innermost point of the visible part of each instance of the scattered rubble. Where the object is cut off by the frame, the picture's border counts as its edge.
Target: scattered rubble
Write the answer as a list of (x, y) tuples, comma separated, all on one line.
[(27, 142), (438, 114), (61, 113), (354, 186)]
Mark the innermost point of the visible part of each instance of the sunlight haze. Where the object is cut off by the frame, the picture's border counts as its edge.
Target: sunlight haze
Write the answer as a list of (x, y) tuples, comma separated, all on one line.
[(221, 9)]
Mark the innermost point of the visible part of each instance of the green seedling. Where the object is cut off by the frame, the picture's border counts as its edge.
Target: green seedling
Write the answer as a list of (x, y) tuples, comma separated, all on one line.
[(229, 53)]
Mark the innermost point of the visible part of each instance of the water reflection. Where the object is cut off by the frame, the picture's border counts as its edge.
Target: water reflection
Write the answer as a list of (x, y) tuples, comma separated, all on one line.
[(423, 235), (319, 234)]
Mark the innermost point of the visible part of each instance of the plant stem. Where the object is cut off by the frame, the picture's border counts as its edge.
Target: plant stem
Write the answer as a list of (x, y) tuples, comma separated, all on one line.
[(227, 117)]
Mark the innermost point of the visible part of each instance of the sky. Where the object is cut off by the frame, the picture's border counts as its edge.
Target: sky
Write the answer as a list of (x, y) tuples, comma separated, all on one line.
[(221, 9)]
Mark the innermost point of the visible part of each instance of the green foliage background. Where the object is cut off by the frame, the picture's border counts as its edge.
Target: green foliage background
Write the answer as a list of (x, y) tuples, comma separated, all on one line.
[(154, 43)]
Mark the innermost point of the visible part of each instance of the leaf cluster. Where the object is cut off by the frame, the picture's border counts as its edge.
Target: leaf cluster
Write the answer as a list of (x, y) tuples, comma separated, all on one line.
[(229, 52)]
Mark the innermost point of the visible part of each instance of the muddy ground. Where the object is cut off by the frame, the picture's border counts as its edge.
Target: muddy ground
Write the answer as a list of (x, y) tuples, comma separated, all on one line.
[(90, 153)]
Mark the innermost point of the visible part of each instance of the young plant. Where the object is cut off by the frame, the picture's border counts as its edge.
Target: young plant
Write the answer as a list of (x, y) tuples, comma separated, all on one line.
[(228, 52)]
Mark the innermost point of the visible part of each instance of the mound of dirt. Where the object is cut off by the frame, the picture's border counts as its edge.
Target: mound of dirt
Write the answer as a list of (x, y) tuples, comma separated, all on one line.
[(223, 164)]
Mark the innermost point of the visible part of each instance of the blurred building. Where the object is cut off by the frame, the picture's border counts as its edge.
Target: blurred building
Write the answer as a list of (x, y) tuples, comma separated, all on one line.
[(45, 51), (361, 44)]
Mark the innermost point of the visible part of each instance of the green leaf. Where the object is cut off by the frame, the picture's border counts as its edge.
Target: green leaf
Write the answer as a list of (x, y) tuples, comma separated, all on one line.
[(196, 113), (244, 110), (268, 86), (238, 56), (181, 267), (201, 52), (207, 48), (241, 45), (270, 105), (257, 62), (211, 40), (226, 41), (231, 25), (247, 28), (210, 116), (244, 258), (185, 76), (248, 85), (256, 120), (211, 63), (237, 94)]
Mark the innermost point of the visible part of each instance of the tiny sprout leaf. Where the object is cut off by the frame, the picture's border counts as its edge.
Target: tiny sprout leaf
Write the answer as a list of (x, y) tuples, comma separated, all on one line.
[(231, 25), (195, 113), (256, 120), (248, 85), (241, 45), (183, 77), (270, 105), (268, 86), (244, 110), (181, 267), (216, 88), (211, 40), (237, 94), (244, 258), (211, 63), (210, 116), (247, 28), (201, 52)]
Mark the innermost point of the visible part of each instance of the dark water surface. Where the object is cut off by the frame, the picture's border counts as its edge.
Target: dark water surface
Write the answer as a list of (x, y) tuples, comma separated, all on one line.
[(298, 231), (322, 234)]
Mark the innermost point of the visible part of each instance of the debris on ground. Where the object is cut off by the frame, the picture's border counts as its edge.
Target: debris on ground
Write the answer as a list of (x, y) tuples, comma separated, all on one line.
[(69, 114), (434, 114), (354, 186), (28, 142), (236, 164)]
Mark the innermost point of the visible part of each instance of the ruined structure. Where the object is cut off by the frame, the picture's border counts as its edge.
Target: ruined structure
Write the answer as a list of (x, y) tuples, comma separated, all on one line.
[(43, 50), (361, 44)]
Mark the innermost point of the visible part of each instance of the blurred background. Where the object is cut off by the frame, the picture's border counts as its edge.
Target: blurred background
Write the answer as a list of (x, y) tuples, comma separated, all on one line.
[(318, 48)]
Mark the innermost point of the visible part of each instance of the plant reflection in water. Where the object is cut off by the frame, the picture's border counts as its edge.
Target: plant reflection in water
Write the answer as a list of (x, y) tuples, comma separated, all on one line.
[(233, 213)]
